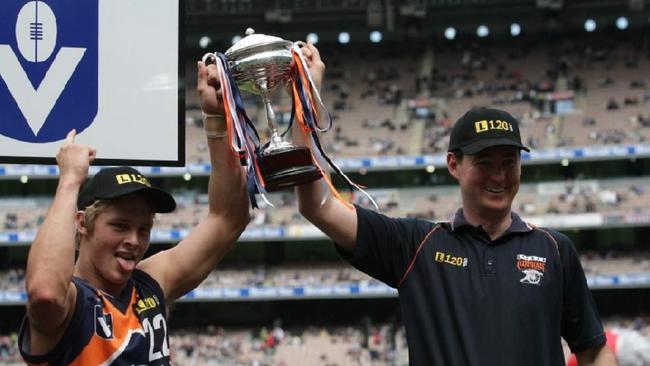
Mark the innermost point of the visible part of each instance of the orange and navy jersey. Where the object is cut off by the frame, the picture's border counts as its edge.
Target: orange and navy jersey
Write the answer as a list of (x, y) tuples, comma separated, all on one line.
[(128, 330)]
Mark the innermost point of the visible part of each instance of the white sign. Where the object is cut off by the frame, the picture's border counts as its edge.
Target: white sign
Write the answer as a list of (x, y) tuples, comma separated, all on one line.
[(109, 69)]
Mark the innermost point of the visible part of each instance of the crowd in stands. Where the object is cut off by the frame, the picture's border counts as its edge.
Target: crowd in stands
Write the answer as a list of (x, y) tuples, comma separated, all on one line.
[(12, 280), (367, 344), (363, 344), (622, 196), (577, 91), (310, 345), (9, 351), (236, 276), (574, 92), (286, 276)]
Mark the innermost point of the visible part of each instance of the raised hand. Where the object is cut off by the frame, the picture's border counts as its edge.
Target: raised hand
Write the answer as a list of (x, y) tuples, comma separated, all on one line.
[(209, 89), (74, 159), (314, 63)]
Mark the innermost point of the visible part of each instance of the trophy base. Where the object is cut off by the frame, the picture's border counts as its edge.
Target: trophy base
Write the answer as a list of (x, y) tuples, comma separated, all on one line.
[(287, 167)]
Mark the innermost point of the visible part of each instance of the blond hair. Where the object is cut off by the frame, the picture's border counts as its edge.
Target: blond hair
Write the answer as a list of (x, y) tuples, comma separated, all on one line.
[(90, 215)]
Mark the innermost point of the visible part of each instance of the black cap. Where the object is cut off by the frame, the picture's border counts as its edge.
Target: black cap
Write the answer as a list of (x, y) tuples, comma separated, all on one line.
[(119, 181), (481, 128)]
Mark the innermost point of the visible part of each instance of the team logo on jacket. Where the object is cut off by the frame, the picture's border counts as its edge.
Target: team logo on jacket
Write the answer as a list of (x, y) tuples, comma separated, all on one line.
[(532, 267), (103, 323)]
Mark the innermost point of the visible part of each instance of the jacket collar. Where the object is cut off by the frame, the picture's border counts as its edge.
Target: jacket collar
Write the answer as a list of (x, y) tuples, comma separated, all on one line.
[(517, 226)]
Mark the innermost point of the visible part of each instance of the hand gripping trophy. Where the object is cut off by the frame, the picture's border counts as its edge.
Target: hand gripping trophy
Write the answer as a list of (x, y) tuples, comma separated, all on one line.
[(257, 64)]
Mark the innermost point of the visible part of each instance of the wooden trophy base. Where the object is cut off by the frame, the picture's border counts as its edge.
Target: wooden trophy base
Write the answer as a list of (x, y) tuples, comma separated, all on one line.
[(287, 167)]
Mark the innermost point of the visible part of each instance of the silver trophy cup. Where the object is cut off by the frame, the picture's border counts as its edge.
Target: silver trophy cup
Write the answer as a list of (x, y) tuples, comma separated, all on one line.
[(258, 64)]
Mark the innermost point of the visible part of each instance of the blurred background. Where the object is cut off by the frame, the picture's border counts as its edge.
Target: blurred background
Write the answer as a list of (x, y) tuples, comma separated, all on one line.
[(399, 73)]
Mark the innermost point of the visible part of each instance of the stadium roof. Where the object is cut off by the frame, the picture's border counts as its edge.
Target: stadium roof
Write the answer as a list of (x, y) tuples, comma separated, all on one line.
[(293, 19)]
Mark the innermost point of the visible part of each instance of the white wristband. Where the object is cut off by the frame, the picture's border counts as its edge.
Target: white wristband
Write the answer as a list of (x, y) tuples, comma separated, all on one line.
[(216, 134), (213, 115), (215, 121)]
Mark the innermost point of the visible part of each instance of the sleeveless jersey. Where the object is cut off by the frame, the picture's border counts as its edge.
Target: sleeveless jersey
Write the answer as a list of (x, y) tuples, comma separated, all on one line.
[(128, 330)]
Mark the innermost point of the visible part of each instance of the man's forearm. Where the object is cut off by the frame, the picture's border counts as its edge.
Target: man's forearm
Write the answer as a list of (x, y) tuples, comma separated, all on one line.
[(227, 186), (311, 195), (208, 242)]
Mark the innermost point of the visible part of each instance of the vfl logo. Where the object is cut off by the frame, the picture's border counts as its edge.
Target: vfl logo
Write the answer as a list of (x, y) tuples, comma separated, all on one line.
[(48, 68), (532, 267), (103, 323)]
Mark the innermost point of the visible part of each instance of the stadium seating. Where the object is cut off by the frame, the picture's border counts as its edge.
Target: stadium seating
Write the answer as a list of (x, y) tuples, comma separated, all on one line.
[(621, 196), (350, 345), (403, 102), (369, 95)]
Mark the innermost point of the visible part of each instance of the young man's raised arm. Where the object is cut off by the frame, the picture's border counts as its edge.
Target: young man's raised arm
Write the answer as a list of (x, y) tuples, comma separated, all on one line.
[(186, 265), (50, 264)]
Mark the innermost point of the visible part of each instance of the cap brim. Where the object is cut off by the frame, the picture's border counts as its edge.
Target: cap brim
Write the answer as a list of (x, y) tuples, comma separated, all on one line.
[(481, 145), (163, 202)]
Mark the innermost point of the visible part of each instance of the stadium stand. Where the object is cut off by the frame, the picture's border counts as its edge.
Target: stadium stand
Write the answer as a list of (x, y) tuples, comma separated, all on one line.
[(370, 96), (579, 97), (609, 197), (373, 344)]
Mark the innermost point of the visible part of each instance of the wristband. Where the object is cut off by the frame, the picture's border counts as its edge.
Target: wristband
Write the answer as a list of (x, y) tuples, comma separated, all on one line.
[(212, 115), (212, 131), (216, 134)]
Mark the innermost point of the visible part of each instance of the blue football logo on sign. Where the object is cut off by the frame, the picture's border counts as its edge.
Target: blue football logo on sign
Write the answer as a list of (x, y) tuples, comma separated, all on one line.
[(48, 68)]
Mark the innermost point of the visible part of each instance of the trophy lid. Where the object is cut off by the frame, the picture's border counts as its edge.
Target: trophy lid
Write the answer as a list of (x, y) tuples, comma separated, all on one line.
[(254, 43)]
